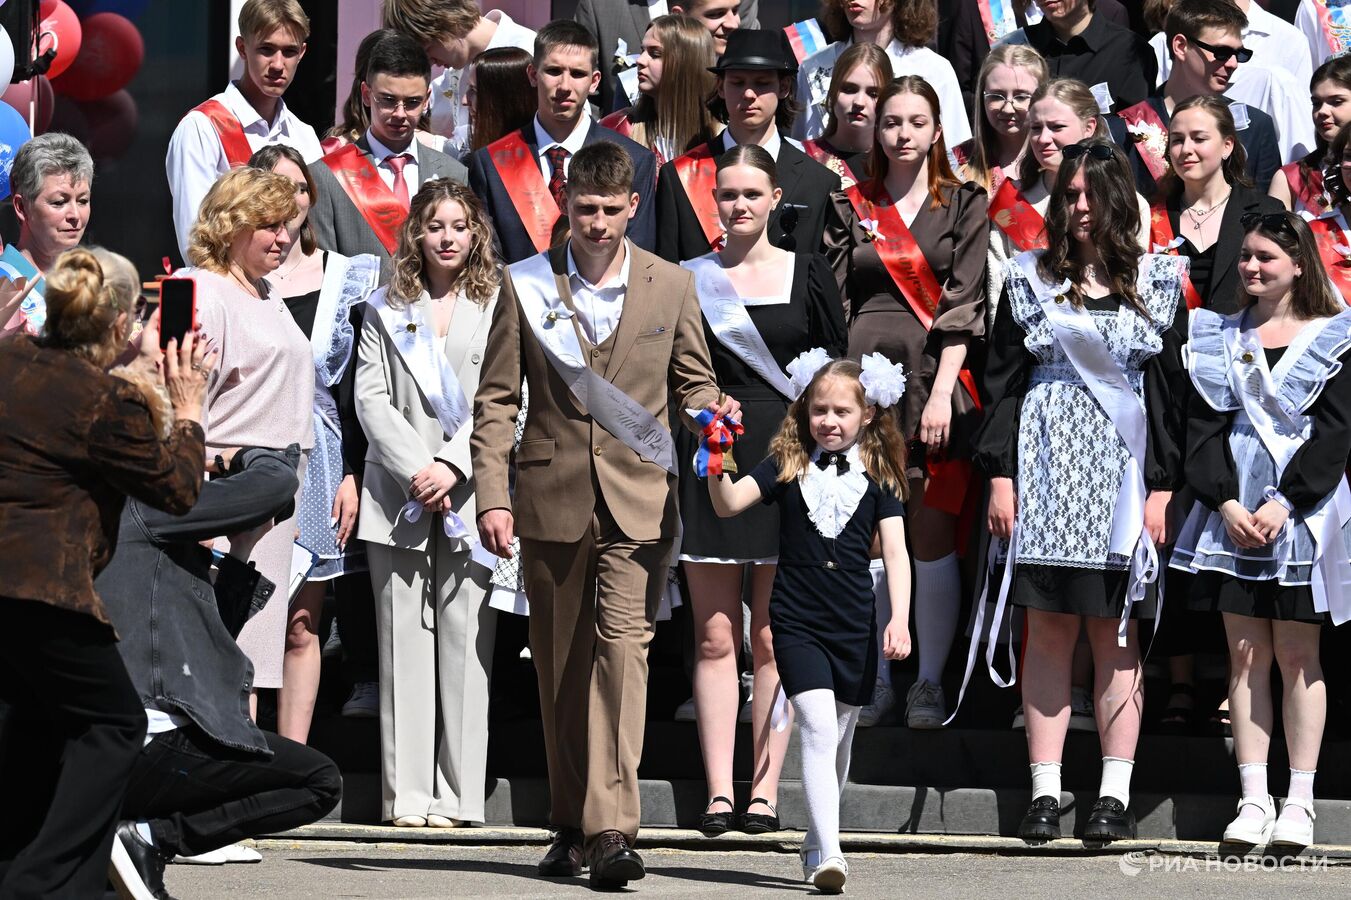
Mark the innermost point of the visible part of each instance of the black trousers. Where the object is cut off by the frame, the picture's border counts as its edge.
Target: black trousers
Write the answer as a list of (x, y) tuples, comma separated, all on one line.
[(355, 605), (73, 730), (199, 795)]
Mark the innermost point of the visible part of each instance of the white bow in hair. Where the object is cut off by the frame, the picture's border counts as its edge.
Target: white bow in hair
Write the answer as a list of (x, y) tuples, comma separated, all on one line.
[(883, 381), (802, 370)]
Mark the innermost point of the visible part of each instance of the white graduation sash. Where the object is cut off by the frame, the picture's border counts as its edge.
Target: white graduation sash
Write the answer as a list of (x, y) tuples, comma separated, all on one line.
[(1282, 435), (552, 324), (726, 314), (415, 339), (344, 276)]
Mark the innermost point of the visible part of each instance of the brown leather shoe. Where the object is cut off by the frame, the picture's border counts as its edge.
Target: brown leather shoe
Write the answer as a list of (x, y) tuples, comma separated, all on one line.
[(564, 859), (613, 862)]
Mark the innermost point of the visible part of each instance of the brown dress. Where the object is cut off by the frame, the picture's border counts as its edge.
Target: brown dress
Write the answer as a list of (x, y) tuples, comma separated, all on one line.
[(954, 239)]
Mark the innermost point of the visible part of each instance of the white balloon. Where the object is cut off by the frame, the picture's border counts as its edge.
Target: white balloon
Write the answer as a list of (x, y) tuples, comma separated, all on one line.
[(6, 59)]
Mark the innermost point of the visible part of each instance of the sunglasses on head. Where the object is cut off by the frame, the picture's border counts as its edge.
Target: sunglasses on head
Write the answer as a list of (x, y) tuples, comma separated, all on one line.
[(1223, 54), (1095, 149), (1267, 221)]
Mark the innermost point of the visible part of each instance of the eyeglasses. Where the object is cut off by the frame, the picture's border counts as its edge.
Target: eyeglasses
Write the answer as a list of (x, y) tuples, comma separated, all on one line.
[(1280, 221), (1095, 149), (1223, 54), (410, 105), (1020, 100)]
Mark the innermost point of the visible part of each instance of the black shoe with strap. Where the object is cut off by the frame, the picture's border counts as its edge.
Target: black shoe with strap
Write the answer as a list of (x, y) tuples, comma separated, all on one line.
[(564, 859), (712, 824), (613, 862), (1042, 821), (759, 823), (1109, 821)]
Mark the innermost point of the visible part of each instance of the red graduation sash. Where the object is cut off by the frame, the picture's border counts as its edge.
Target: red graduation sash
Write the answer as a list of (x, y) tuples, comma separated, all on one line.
[(697, 171), (1308, 191), (1328, 235), (904, 260), (817, 151), (369, 194), (518, 167), (1013, 215), (1162, 237), (619, 123), (231, 133), (1144, 115)]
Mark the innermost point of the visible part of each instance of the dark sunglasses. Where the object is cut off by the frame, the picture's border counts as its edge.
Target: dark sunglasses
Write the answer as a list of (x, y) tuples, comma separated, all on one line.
[(1222, 54), (1095, 149), (1267, 221)]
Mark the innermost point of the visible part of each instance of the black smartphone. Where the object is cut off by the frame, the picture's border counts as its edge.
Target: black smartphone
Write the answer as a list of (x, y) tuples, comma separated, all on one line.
[(177, 309)]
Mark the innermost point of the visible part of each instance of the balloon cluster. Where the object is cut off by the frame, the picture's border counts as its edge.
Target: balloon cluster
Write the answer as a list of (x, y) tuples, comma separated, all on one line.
[(97, 52)]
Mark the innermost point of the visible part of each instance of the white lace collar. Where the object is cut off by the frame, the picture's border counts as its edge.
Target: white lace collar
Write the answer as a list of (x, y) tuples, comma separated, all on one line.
[(831, 497)]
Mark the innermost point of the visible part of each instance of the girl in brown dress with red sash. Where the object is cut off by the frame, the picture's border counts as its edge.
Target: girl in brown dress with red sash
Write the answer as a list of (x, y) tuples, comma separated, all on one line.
[(860, 74), (1299, 184), (908, 248)]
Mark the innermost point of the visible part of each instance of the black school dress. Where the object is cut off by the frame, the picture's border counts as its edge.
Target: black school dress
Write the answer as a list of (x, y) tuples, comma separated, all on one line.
[(822, 612)]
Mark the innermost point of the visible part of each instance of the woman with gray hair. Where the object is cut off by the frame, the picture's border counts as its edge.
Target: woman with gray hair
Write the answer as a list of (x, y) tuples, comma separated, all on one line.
[(50, 184)]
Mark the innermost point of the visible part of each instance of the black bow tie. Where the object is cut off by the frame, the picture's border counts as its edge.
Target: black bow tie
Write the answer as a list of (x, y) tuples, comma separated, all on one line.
[(838, 460)]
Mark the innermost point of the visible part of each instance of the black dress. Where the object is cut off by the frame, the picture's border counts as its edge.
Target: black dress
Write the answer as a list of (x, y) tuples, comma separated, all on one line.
[(812, 317), (822, 612)]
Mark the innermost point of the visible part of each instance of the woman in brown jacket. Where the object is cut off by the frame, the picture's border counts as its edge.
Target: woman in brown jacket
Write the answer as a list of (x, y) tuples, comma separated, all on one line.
[(75, 441)]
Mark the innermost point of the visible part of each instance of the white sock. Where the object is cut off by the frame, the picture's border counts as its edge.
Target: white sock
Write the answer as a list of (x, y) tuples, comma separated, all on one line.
[(938, 598), (819, 725), (846, 717), (1301, 788), (1116, 779), (1253, 780), (1046, 780), (883, 599), (143, 829)]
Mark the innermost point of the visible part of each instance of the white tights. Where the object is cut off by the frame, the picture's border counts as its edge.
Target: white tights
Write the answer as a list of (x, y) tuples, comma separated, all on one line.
[(827, 731)]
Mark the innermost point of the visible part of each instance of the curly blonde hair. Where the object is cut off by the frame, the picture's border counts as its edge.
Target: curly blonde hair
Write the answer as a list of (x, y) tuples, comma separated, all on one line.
[(880, 444), (241, 200), (82, 308), (479, 279)]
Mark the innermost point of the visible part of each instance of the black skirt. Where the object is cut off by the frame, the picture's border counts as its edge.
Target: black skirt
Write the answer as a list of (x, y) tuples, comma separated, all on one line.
[(1222, 592), (1099, 593)]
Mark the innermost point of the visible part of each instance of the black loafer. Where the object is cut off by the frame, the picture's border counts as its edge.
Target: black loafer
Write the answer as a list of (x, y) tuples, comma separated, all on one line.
[(1109, 821), (759, 823), (1042, 821), (712, 824), (613, 862), (564, 859)]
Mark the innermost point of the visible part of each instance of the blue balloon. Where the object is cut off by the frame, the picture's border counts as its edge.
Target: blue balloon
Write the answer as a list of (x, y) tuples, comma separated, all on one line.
[(131, 9), (14, 134)]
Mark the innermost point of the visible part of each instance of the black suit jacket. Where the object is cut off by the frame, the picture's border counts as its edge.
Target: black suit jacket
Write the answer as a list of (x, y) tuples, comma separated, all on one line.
[(807, 186), (1258, 140), (516, 244), (1222, 293)]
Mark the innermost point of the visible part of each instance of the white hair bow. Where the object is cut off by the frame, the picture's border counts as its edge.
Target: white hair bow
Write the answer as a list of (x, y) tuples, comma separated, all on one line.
[(883, 381)]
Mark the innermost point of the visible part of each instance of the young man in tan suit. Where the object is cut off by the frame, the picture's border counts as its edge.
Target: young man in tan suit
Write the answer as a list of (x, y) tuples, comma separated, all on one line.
[(608, 335)]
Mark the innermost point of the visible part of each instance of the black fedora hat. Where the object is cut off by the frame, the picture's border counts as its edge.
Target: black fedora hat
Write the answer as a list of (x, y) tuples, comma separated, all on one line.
[(757, 48)]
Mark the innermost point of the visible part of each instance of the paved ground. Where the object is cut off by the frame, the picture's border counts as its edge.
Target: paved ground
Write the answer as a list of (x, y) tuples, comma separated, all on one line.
[(342, 870)]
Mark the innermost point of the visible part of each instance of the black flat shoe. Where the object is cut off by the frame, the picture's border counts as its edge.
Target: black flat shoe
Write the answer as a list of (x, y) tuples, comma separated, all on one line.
[(759, 823), (614, 863), (712, 824), (1109, 821), (1042, 821)]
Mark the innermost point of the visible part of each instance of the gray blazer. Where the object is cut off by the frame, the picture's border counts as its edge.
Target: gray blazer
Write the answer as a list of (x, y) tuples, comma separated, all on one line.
[(339, 225), (405, 435)]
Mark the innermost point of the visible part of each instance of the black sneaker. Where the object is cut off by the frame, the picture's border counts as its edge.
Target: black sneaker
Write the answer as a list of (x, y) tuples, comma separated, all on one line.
[(1109, 821), (1042, 822), (138, 871)]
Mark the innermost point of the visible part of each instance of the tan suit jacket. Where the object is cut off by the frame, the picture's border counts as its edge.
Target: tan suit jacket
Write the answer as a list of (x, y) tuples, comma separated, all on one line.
[(658, 357), (405, 435)]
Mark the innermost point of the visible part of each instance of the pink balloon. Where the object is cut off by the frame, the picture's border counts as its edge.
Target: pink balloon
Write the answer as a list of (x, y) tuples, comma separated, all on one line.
[(59, 30), (112, 125), (110, 57), (18, 96)]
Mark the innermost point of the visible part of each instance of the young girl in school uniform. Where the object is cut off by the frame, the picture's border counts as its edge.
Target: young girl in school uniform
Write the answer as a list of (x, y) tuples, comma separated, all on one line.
[(837, 471)]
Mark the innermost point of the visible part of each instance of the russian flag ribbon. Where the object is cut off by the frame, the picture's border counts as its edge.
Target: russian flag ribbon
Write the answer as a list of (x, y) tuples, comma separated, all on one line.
[(806, 38), (719, 434)]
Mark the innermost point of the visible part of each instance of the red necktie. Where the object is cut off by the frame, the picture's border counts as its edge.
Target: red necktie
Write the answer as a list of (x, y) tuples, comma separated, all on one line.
[(558, 181), (396, 163)]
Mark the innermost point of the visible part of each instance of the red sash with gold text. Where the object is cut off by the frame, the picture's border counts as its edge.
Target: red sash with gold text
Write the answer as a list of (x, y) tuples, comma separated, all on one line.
[(1327, 232), (230, 132), (1150, 136), (1164, 241), (518, 167), (1017, 218), (1308, 191), (369, 194), (819, 152), (697, 171)]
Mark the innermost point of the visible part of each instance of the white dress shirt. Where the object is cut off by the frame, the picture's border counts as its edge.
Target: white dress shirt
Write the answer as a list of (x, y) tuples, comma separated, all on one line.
[(599, 306), (380, 153), (772, 146), (572, 143), (1306, 20), (449, 116), (813, 88), (196, 157)]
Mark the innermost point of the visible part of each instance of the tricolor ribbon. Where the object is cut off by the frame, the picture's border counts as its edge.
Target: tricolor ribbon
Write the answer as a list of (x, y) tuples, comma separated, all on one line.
[(719, 434)]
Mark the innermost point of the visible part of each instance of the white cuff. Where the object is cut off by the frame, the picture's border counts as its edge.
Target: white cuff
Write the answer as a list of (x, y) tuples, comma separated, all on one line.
[(1270, 493)]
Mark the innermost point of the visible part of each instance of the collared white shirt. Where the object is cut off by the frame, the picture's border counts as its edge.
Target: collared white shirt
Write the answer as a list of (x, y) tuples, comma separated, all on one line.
[(599, 305), (572, 143), (772, 146), (813, 88), (380, 153), (449, 115), (1306, 20), (196, 158)]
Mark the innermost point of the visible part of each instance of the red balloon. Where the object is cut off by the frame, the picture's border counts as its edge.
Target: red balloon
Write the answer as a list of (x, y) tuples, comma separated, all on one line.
[(18, 96), (59, 30), (112, 125), (68, 118), (110, 57)]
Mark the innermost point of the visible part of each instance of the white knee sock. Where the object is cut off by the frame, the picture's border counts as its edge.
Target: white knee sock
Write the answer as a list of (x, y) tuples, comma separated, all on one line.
[(882, 597), (1116, 779), (1046, 780), (938, 595), (1301, 788), (820, 724), (1253, 778)]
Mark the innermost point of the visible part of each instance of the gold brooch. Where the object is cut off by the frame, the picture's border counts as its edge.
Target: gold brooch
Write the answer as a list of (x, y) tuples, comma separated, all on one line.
[(1059, 298), (552, 316), (410, 327), (1248, 357)]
